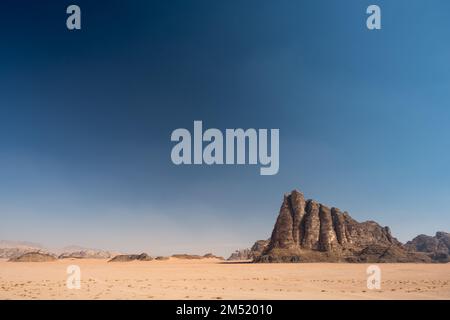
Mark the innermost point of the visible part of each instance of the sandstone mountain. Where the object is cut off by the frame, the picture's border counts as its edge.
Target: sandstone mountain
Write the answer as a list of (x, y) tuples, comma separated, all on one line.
[(308, 231), (437, 247), (249, 253)]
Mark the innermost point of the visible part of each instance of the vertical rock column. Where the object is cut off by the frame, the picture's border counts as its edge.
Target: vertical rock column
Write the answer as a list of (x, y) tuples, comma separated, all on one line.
[(339, 226), (327, 239), (312, 226), (297, 201), (283, 230)]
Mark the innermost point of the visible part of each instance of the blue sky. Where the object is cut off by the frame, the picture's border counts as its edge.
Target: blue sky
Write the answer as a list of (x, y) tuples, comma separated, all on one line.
[(86, 118)]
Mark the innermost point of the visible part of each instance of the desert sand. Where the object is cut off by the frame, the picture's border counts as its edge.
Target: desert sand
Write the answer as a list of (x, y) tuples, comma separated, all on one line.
[(216, 279)]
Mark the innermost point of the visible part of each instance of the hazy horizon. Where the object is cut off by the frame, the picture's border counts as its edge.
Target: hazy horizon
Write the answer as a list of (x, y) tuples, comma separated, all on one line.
[(174, 247), (86, 118)]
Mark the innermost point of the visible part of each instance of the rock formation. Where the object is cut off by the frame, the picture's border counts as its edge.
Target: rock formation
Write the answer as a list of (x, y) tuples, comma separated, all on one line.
[(34, 257), (14, 249), (86, 254), (249, 254), (437, 247), (308, 231), (131, 257), (240, 255)]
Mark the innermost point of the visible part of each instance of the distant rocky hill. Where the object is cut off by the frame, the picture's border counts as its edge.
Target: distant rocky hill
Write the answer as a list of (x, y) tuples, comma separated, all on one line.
[(249, 253), (308, 231), (437, 247), (14, 249), (186, 256), (34, 257)]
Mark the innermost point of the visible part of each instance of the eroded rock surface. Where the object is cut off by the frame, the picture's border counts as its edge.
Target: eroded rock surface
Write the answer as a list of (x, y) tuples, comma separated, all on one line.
[(308, 231), (437, 247)]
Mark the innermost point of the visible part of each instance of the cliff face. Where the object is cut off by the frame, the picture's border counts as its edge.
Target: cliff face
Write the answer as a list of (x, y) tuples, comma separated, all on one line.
[(437, 247), (308, 231)]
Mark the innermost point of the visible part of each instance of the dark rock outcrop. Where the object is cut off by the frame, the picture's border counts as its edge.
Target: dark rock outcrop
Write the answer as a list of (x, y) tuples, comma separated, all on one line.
[(249, 254), (437, 247), (131, 257), (308, 231), (34, 257), (161, 258), (259, 246)]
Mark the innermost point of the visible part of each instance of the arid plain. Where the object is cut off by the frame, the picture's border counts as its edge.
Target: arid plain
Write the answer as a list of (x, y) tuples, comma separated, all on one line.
[(217, 279)]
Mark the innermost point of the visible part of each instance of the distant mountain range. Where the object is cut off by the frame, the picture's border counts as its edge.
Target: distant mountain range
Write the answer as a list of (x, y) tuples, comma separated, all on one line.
[(17, 251)]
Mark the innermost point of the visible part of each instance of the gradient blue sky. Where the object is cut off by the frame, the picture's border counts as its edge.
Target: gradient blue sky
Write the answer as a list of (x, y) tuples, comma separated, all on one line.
[(86, 118)]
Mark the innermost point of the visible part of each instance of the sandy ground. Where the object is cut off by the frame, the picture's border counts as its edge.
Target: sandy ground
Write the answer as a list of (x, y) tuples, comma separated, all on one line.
[(213, 279)]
